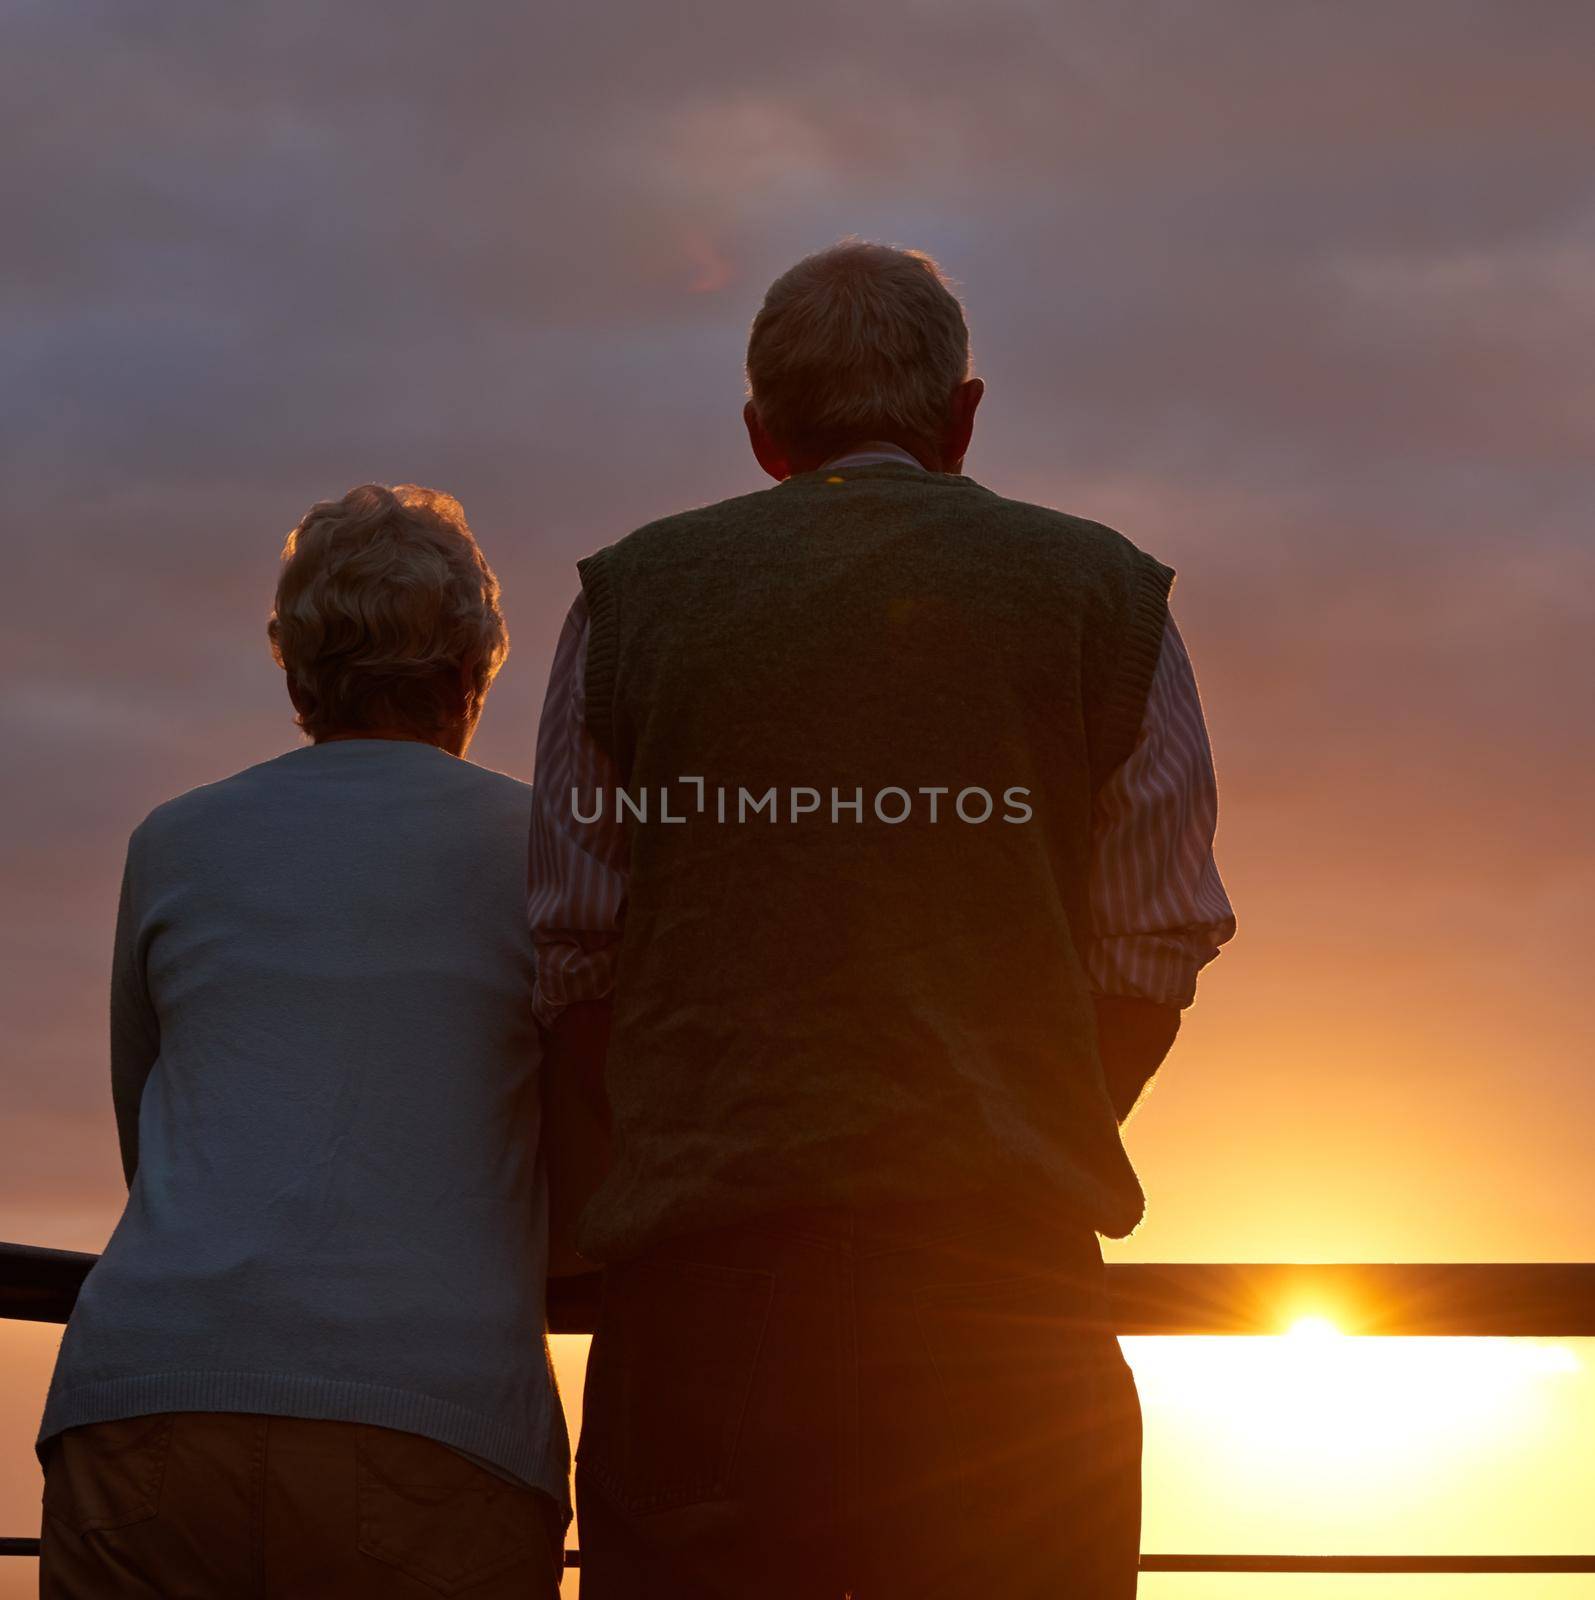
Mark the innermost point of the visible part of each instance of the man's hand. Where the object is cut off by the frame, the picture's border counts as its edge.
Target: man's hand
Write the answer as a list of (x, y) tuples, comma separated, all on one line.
[(1133, 1036)]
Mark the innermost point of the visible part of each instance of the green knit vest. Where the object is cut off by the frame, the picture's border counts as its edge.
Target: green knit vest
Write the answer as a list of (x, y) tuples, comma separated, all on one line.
[(858, 1001)]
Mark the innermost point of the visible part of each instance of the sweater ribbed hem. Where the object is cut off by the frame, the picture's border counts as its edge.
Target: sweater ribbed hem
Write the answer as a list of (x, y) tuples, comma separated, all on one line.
[(533, 1450), (603, 648)]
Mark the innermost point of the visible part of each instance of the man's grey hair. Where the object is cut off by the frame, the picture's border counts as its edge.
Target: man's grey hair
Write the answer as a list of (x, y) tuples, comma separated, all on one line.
[(861, 341)]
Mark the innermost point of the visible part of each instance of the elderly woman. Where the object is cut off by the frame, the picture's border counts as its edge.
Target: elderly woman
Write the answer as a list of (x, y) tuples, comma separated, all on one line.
[(311, 1361)]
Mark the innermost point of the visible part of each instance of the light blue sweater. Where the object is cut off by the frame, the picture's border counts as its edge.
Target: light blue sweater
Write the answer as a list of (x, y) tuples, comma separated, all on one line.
[(326, 1078)]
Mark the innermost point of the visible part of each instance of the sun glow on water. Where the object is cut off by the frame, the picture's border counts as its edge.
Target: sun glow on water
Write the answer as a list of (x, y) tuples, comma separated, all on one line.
[(1341, 1409), (1316, 1330)]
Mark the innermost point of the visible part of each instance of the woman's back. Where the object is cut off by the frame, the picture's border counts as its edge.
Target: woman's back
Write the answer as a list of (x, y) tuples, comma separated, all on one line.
[(337, 1209)]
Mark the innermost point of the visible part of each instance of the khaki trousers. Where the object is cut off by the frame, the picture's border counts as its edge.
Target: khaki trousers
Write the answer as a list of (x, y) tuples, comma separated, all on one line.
[(220, 1506)]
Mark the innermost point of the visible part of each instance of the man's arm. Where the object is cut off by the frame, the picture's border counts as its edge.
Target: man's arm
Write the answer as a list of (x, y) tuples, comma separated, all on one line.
[(576, 1148), (576, 905), (577, 870), (1158, 906), (135, 1030)]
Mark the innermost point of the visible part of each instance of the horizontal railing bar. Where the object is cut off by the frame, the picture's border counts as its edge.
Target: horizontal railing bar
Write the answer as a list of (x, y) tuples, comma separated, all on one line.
[(1515, 1299), (1349, 1564), (1227, 1563), (38, 1285), (1462, 1299), (1401, 1299)]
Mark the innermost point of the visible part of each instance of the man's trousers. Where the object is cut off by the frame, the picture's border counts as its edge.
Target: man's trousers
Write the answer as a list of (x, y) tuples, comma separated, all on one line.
[(906, 1406)]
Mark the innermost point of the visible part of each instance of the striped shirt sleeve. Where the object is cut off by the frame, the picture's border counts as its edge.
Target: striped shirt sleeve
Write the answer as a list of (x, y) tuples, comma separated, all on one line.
[(1159, 909), (576, 891)]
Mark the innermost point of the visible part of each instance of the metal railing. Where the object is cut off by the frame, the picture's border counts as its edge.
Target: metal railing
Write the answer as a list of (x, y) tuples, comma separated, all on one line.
[(1517, 1300)]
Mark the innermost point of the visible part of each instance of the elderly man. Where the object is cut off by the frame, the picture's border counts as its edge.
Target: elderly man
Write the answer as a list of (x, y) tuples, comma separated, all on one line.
[(873, 843)]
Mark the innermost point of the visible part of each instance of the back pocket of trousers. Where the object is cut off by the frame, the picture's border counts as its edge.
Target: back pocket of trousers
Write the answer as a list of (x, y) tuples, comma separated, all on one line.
[(431, 1514), (668, 1381), (108, 1474)]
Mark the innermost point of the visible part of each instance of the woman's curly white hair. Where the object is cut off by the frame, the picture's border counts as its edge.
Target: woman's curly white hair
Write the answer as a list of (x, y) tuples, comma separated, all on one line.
[(383, 598)]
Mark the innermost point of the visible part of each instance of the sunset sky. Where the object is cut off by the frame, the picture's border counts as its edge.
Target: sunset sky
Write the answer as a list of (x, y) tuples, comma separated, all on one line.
[(1301, 297)]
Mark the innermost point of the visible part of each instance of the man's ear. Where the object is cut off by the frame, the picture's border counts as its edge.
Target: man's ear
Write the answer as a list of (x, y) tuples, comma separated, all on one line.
[(961, 423), (766, 451)]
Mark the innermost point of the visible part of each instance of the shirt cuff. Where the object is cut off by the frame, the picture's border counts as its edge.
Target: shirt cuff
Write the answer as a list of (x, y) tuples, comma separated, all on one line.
[(1159, 967), (569, 973)]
